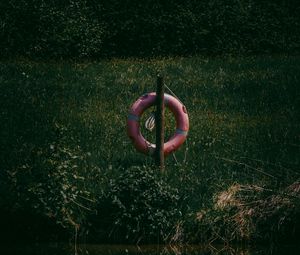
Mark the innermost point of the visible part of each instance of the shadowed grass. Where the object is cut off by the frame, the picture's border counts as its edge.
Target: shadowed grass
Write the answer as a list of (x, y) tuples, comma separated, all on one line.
[(244, 121)]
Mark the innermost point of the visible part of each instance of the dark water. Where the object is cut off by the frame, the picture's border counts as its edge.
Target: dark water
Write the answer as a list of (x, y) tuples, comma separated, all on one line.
[(65, 249)]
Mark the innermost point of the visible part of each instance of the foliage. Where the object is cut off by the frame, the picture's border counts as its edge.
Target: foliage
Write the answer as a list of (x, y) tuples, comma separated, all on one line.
[(137, 205), (53, 185), (81, 28), (50, 28)]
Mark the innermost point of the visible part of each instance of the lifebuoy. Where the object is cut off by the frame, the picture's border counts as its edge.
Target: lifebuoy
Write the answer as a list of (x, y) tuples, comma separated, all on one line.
[(133, 125)]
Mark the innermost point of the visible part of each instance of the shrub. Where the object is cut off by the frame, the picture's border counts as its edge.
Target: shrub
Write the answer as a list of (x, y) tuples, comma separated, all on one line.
[(50, 28), (53, 185), (81, 28), (138, 205)]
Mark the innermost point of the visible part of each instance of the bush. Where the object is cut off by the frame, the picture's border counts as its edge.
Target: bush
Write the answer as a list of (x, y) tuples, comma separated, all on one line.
[(138, 205), (50, 28), (52, 187), (86, 28)]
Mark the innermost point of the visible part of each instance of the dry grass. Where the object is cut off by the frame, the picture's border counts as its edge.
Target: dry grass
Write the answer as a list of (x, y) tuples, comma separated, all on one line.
[(250, 212)]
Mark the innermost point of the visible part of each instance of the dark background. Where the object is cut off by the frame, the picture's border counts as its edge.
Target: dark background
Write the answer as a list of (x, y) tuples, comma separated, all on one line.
[(92, 28)]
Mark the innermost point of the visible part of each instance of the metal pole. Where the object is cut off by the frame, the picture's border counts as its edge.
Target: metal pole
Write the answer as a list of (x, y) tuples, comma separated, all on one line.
[(159, 120)]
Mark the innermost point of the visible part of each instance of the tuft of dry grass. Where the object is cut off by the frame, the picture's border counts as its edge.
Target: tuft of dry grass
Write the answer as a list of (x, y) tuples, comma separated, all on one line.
[(228, 197), (250, 212), (294, 189)]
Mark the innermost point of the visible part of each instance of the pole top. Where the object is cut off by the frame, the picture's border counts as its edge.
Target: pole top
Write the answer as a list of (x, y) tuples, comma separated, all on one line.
[(159, 78)]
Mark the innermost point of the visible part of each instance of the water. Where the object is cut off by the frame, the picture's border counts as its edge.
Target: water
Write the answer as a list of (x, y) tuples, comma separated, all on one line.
[(64, 249)]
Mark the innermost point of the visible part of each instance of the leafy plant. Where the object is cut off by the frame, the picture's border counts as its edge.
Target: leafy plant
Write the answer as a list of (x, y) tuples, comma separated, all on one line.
[(138, 205)]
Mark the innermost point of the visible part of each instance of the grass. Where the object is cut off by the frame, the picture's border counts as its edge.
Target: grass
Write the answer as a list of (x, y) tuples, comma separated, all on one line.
[(244, 126)]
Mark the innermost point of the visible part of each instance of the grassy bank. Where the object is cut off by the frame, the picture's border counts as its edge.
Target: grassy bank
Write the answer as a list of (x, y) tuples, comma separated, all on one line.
[(66, 160)]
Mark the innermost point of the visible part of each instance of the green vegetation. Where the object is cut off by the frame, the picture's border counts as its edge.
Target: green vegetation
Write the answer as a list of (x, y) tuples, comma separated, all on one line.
[(118, 28), (67, 164)]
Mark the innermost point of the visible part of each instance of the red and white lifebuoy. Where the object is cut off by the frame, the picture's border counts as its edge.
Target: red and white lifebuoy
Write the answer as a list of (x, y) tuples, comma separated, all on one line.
[(133, 125)]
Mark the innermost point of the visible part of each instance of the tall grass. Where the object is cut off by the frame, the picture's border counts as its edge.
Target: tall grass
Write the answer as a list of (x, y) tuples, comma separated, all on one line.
[(64, 146)]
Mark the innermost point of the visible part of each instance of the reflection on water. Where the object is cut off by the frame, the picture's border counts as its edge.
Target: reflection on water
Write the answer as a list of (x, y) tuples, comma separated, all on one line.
[(63, 249)]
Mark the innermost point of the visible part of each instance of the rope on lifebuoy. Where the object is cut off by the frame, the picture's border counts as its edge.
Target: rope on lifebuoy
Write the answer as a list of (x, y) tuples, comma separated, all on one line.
[(150, 122)]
